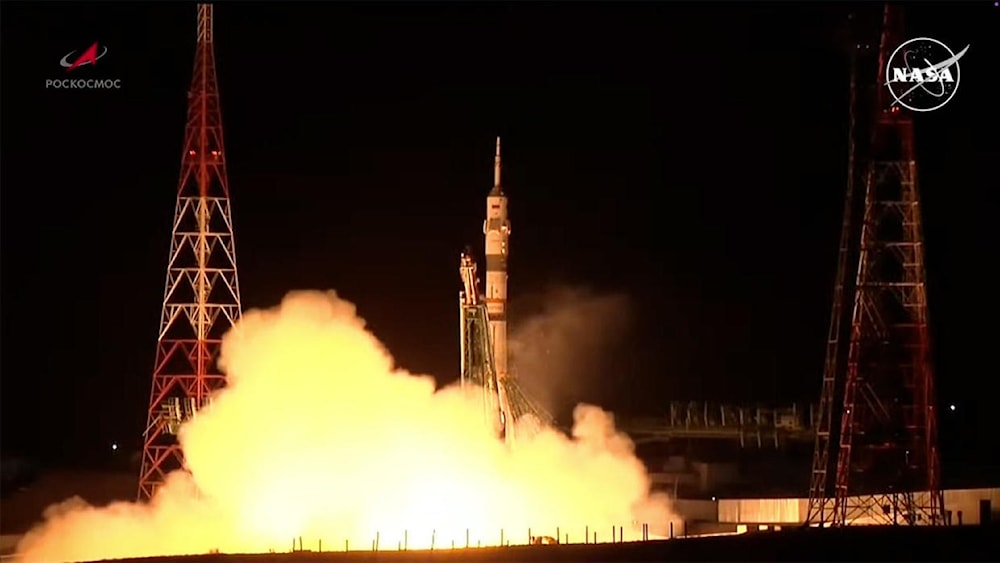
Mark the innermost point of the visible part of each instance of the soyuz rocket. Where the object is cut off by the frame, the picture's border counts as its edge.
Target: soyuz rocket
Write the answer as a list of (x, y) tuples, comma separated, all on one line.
[(496, 227)]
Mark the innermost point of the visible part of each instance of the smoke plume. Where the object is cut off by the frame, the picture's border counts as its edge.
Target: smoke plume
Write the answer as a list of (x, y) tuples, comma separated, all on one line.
[(561, 350), (318, 435)]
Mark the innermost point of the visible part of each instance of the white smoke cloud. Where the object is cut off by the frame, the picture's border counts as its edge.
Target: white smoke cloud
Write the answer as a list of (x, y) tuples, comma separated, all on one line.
[(319, 435), (560, 351)]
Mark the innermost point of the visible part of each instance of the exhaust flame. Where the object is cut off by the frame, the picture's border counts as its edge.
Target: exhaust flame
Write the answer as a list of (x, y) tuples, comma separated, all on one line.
[(317, 435)]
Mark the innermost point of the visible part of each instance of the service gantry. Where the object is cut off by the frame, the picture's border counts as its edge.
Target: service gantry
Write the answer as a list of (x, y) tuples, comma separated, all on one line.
[(202, 296), (880, 387), (504, 401), (483, 324)]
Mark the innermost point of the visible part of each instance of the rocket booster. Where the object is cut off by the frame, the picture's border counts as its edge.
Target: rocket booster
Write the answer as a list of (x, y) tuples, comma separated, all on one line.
[(496, 227)]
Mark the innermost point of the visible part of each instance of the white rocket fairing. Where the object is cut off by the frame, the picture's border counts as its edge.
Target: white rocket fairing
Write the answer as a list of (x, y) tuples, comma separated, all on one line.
[(496, 227)]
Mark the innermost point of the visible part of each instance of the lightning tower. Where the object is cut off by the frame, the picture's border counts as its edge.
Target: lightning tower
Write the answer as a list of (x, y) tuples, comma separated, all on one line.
[(483, 324), (886, 466), (202, 297)]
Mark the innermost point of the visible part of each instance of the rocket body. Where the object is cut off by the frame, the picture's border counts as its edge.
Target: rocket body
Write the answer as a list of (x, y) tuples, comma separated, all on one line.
[(497, 231)]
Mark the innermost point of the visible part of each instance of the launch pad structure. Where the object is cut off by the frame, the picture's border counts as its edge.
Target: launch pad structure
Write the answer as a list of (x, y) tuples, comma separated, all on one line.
[(879, 465), (883, 455), (483, 326), (201, 298)]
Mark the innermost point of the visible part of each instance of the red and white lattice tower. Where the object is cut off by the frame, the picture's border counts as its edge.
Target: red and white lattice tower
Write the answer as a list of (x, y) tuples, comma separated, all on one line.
[(202, 297), (883, 455)]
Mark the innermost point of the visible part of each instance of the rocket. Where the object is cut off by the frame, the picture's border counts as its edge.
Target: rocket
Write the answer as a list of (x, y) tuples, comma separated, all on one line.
[(496, 227)]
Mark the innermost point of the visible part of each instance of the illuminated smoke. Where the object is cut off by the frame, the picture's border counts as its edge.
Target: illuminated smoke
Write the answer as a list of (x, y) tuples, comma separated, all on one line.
[(560, 351), (318, 435)]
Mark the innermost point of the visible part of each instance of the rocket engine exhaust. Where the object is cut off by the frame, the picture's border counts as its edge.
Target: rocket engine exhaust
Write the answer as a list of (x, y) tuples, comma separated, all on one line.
[(319, 435)]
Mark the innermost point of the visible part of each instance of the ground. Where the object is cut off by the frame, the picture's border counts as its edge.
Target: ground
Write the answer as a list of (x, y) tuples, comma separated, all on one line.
[(967, 543), (23, 507)]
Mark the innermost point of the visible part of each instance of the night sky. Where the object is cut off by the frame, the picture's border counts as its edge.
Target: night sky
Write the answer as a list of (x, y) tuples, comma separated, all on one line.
[(690, 158)]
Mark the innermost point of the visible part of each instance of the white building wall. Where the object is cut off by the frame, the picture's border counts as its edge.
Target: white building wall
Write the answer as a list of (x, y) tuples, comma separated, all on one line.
[(794, 510)]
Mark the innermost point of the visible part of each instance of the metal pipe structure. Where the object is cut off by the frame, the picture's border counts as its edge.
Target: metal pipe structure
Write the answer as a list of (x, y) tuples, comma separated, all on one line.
[(463, 375)]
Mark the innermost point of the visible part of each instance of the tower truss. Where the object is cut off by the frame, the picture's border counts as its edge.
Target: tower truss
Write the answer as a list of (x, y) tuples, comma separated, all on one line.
[(201, 298), (887, 465), (504, 401)]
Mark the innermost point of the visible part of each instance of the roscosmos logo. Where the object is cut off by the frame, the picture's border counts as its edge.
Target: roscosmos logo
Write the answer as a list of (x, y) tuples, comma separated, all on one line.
[(73, 61), (88, 57)]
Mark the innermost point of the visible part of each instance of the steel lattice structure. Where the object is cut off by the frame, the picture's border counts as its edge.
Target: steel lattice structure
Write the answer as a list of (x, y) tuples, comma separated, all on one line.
[(504, 401), (202, 297), (751, 427), (887, 466)]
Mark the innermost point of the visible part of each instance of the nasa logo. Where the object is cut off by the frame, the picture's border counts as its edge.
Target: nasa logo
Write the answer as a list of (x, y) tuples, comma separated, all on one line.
[(918, 84)]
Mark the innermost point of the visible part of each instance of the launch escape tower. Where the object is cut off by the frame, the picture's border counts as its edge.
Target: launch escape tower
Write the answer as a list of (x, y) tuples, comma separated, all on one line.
[(202, 297), (483, 324), (886, 467)]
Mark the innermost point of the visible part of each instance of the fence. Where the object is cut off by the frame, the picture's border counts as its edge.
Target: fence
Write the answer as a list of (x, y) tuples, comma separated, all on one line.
[(406, 541)]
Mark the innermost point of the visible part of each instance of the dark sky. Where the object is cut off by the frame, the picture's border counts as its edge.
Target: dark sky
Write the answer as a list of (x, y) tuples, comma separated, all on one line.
[(691, 158)]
